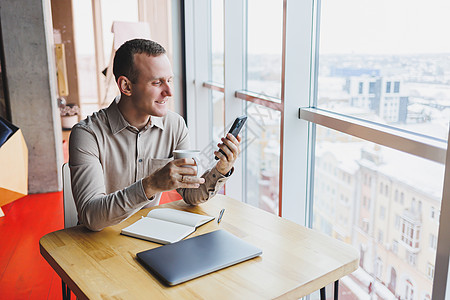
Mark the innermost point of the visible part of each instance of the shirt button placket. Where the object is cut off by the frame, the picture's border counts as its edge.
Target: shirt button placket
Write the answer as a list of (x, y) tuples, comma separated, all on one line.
[(139, 167)]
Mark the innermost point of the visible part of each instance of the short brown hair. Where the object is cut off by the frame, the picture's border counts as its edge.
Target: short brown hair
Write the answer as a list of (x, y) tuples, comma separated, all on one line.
[(124, 58)]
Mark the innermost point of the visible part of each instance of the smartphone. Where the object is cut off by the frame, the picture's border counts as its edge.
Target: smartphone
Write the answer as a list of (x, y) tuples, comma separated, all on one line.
[(235, 129)]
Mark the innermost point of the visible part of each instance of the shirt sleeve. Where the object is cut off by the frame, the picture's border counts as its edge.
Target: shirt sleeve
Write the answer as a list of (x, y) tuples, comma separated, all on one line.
[(214, 181), (96, 209)]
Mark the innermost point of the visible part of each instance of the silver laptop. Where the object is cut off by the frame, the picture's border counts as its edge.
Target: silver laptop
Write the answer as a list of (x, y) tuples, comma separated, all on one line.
[(197, 256)]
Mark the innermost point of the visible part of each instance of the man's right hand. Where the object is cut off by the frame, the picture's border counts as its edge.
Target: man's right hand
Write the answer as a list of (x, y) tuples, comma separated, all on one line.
[(172, 176)]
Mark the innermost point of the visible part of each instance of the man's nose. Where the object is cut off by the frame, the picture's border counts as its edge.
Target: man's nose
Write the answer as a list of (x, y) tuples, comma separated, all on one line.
[(168, 89)]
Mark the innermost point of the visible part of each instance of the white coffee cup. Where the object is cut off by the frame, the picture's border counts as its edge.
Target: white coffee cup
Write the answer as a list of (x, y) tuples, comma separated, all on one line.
[(194, 154)]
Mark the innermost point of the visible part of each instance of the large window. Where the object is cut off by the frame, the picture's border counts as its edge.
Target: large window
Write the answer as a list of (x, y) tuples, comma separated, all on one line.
[(258, 92), (93, 21), (217, 46), (217, 70), (263, 157), (85, 51), (384, 65), (264, 43), (348, 104), (263, 79)]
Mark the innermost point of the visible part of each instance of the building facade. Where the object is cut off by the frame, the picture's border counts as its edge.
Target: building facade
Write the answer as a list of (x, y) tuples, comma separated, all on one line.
[(385, 211)]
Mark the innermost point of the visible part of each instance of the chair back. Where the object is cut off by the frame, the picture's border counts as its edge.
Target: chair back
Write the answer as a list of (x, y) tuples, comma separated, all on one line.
[(70, 211)]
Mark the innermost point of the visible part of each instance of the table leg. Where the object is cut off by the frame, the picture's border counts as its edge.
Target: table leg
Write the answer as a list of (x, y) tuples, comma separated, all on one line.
[(66, 293), (336, 290), (322, 294)]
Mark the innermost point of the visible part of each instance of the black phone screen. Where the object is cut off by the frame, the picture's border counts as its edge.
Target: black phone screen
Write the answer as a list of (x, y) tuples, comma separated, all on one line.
[(235, 128)]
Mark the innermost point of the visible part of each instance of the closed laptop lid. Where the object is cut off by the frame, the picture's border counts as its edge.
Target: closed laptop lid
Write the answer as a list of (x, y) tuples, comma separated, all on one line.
[(197, 256)]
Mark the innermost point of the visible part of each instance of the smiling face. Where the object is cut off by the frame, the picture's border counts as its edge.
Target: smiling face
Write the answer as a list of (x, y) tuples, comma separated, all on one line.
[(153, 88)]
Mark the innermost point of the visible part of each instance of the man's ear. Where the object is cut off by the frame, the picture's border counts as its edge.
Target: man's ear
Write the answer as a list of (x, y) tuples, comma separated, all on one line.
[(124, 85)]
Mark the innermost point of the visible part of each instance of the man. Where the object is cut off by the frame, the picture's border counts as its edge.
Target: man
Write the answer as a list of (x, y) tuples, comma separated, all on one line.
[(121, 156)]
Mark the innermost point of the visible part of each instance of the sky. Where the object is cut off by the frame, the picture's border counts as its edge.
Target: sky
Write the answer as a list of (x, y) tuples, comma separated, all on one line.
[(385, 26), (265, 26), (352, 26)]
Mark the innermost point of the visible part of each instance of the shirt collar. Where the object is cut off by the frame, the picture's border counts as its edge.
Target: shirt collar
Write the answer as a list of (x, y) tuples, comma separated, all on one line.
[(117, 122), (157, 121)]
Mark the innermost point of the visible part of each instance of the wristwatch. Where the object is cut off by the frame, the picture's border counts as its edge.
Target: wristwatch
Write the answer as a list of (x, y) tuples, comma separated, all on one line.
[(229, 172)]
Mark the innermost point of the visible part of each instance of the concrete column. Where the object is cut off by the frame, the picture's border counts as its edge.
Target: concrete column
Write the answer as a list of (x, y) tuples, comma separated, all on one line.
[(31, 77)]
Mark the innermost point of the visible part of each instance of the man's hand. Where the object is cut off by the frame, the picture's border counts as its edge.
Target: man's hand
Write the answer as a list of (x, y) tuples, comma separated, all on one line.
[(172, 176), (230, 146)]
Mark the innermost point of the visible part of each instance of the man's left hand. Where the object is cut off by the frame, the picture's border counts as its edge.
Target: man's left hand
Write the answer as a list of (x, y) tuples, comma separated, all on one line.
[(230, 146)]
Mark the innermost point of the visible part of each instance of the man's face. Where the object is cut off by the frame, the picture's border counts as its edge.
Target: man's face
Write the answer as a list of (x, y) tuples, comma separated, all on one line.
[(154, 84)]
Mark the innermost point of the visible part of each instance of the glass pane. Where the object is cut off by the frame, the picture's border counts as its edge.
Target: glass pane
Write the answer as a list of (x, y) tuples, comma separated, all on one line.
[(264, 46), (217, 36), (85, 52), (379, 200), (218, 115), (262, 145), (114, 10), (218, 121), (387, 61)]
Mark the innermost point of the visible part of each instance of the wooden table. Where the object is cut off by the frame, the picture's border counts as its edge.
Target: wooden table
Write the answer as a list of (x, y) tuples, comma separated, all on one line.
[(296, 261)]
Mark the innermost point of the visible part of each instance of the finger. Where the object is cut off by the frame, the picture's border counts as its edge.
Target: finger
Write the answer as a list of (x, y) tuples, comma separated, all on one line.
[(187, 171), (233, 139), (231, 145), (189, 180), (190, 186), (184, 161), (220, 155), (193, 179), (233, 150), (180, 178), (228, 154)]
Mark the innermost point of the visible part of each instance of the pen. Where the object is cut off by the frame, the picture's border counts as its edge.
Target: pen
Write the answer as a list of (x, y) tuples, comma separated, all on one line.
[(220, 215)]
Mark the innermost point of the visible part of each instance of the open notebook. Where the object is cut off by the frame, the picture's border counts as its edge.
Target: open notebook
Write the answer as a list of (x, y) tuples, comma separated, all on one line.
[(166, 225), (196, 256)]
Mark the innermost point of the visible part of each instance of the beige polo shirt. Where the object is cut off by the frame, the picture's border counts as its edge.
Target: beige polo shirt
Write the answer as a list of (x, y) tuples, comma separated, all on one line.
[(108, 159)]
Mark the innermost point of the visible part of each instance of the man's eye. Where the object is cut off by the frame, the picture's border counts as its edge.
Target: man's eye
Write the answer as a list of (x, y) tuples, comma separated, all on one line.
[(156, 82)]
